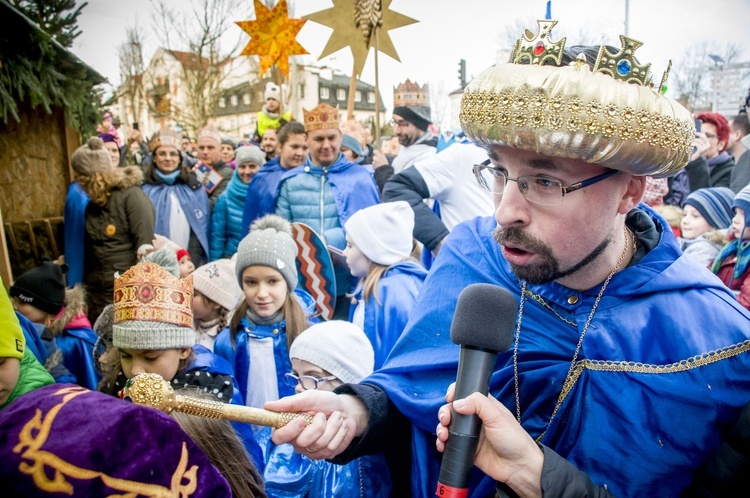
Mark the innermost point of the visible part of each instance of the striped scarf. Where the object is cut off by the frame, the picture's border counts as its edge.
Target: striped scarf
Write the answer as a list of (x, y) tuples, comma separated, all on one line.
[(739, 247)]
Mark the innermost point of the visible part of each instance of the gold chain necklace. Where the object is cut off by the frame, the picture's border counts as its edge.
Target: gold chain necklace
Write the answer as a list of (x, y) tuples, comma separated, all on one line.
[(570, 378)]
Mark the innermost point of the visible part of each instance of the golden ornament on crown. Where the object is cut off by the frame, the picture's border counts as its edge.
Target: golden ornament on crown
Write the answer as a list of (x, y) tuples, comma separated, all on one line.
[(409, 94), (149, 292), (611, 115), (321, 117)]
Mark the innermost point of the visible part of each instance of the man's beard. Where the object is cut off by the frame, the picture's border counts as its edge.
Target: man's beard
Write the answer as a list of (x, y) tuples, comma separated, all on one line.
[(549, 268), (407, 140)]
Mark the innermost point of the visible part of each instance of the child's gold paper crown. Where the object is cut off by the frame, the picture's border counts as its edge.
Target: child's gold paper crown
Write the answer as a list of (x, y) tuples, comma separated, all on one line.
[(148, 292)]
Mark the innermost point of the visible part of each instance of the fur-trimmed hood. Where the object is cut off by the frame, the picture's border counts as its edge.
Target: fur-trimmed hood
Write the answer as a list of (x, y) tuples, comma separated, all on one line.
[(122, 178), (100, 185), (74, 311)]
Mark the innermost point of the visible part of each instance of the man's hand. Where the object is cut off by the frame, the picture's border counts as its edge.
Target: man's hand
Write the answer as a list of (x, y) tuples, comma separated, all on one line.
[(505, 451), (378, 159), (337, 421)]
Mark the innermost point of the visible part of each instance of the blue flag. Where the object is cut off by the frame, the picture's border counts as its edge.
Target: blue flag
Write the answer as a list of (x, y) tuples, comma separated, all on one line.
[(549, 10)]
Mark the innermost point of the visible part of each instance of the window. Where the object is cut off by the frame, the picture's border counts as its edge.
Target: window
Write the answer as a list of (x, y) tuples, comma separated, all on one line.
[(222, 102), (324, 93), (234, 100), (357, 96), (371, 97), (245, 99), (340, 94), (300, 91)]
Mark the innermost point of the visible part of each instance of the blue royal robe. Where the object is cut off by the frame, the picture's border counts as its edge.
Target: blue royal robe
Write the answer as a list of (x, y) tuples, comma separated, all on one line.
[(662, 370), (261, 193)]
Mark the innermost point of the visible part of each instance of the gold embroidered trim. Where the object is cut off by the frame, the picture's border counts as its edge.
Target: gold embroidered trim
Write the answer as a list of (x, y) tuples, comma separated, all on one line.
[(39, 464), (522, 109), (637, 367)]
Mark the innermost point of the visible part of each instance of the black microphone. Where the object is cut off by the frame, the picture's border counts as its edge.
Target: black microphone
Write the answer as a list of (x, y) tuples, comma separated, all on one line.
[(483, 325)]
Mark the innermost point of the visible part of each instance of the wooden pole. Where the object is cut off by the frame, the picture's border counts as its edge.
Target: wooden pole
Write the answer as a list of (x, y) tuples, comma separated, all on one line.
[(377, 87), (352, 92)]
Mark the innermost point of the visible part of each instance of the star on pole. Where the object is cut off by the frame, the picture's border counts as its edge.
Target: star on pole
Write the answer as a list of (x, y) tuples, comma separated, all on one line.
[(346, 32), (273, 36)]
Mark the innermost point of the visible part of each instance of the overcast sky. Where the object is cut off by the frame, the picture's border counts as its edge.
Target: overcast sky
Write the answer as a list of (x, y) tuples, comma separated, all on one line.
[(450, 30)]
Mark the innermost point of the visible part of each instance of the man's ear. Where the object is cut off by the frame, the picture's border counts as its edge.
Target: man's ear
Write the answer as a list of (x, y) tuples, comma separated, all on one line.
[(633, 194)]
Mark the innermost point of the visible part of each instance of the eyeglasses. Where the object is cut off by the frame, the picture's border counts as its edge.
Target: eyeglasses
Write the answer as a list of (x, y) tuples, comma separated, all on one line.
[(538, 189), (710, 136), (400, 123), (164, 153), (306, 381)]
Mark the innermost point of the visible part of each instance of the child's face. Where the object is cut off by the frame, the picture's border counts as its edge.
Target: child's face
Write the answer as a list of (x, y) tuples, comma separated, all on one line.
[(165, 362), (738, 224), (693, 223), (305, 368), (10, 369), (203, 308), (107, 358), (186, 266), (33, 313), (358, 263), (265, 290)]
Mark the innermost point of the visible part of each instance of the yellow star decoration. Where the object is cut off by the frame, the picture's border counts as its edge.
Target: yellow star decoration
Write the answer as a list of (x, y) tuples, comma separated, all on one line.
[(273, 36), (341, 18)]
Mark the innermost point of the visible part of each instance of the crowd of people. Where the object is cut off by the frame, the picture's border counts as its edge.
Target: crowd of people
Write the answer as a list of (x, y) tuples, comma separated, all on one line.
[(622, 236)]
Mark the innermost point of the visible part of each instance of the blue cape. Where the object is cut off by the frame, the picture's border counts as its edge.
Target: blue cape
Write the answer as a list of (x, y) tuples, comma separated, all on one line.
[(385, 321), (75, 220), (261, 193), (654, 384), (194, 203), (77, 346)]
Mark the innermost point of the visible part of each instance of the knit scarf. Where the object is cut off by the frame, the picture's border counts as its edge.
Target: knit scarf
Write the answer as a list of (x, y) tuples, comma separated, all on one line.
[(260, 320), (237, 190), (270, 114), (739, 247), (719, 159)]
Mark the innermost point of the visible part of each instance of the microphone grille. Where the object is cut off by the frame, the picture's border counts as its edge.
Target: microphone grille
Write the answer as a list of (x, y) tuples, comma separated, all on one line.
[(485, 317)]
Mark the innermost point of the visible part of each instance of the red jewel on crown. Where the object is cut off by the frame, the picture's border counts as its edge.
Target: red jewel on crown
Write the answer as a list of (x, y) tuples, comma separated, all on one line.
[(539, 48), (146, 294)]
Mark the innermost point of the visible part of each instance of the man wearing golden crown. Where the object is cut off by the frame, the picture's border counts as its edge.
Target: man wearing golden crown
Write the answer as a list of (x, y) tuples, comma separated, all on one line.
[(326, 191), (626, 359)]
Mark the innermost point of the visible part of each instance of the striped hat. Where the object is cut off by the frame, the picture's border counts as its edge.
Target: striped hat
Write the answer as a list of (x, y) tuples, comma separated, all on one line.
[(714, 204), (742, 201)]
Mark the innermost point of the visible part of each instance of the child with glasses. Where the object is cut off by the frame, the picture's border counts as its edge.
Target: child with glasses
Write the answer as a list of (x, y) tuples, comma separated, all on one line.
[(322, 357)]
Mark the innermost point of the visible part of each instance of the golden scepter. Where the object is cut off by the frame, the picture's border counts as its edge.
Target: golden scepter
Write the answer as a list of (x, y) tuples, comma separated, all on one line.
[(152, 390)]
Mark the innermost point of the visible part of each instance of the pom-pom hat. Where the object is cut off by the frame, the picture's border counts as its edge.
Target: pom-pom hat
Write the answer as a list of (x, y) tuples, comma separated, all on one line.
[(91, 158), (269, 243), (610, 115)]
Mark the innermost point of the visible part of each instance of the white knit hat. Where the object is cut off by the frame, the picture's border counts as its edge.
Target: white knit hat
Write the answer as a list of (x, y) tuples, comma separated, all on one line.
[(272, 92), (383, 232), (218, 282), (249, 153), (338, 347)]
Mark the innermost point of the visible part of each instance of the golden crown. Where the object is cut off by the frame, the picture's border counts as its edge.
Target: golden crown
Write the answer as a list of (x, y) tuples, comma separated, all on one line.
[(611, 115), (409, 94), (211, 133), (321, 117), (149, 292), (165, 138), (539, 49)]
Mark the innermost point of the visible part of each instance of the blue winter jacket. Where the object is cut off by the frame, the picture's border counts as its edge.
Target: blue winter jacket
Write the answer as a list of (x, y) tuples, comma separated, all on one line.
[(397, 292), (291, 475), (261, 193), (238, 354), (663, 367), (226, 220), (77, 346), (325, 198)]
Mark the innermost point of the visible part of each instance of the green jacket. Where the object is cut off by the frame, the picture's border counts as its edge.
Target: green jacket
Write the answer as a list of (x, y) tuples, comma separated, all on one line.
[(32, 376)]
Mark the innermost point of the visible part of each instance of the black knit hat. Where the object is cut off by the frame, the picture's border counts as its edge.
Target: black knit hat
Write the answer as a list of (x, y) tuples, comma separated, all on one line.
[(43, 287), (417, 115)]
